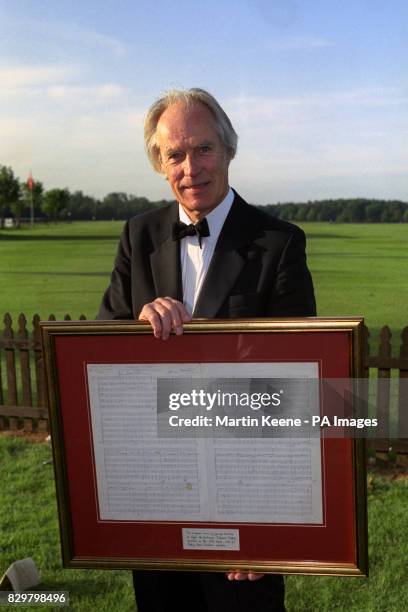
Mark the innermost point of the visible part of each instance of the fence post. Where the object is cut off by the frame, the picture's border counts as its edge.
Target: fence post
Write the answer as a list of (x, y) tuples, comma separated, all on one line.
[(383, 388), (2, 419), (9, 350), (363, 384), (25, 372), (403, 394), (42, 424), (38, 359)]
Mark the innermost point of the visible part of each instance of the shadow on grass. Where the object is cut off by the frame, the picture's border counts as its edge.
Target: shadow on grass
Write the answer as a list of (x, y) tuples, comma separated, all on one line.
[(349, 255), (322, 235), (77, 584), (57, 237), (47, 273)]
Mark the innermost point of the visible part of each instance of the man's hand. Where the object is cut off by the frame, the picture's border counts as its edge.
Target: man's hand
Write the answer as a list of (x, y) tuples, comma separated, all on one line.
[(243, 576), (165, 314)]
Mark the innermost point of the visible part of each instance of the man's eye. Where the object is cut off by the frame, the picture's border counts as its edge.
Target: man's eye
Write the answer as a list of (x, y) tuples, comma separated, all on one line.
[(205, 149), (174, 156)]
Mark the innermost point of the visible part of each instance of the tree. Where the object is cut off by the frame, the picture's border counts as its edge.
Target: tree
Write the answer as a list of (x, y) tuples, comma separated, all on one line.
[(82, 206), (37, 195), (301, 213), (311, 213), (22, 206), (55, 203), (17, 208), (386, 215), (373, 212), (9, 191), (357, 210)]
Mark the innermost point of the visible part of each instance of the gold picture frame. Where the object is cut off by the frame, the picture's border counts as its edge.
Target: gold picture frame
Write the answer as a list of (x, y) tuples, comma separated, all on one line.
[(335, 546)]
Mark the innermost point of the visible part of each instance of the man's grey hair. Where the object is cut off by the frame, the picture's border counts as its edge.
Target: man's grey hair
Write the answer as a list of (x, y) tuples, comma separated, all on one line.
[(189, 97)]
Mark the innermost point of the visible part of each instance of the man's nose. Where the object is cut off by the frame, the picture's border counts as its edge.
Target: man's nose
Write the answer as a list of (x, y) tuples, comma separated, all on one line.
[(191, 165)]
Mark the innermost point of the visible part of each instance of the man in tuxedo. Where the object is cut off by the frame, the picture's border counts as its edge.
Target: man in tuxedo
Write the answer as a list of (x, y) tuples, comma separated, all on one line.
[(210, 255)]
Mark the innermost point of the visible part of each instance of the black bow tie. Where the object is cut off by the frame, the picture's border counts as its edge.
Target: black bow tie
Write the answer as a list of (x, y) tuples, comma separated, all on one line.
[(200, 229)]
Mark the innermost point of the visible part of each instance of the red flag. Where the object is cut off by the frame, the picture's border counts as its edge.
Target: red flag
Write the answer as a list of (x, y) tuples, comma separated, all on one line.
[(30, 182)]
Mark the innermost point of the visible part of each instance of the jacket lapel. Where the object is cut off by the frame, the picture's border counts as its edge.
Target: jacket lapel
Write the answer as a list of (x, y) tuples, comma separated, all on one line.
[(165, 260), (228, 261)]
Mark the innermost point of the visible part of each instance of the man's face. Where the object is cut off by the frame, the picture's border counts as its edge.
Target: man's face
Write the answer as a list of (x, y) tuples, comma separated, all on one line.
[(193, 158)]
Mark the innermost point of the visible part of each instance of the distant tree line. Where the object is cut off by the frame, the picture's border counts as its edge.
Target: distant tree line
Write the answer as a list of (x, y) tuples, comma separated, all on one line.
[(17, 198), (116, 205), (354, 210)]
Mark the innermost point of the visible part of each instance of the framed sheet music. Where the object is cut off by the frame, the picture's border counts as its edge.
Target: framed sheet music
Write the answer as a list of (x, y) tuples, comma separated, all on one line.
[(185, 454)]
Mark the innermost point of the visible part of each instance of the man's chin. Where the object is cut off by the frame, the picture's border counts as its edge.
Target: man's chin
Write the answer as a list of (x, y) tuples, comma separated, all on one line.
[(194, 202), (196, 209)]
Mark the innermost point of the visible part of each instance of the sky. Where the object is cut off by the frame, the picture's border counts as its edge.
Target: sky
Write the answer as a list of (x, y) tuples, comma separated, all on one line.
[(317, 91)]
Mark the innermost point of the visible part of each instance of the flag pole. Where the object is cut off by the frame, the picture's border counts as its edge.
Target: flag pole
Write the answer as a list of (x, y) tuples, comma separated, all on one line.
[(30, 185), (32, 209)]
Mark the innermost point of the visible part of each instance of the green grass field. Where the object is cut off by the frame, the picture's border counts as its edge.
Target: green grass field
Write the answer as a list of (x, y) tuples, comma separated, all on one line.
[(361, 269), (64, 268), (29, 528), (358, 269)]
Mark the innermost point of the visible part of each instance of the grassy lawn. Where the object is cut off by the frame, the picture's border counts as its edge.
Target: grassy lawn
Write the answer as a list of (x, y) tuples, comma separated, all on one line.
[(64, 268), (29, 528), (57, 269), (361, 269), (358, 269), (386, 589)]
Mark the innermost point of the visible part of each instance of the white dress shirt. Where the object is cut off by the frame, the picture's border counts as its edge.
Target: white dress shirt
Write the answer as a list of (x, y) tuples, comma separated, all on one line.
[(195, 261)]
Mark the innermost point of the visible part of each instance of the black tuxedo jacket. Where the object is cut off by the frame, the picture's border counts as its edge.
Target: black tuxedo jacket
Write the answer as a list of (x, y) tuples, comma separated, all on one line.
[(258, 268)]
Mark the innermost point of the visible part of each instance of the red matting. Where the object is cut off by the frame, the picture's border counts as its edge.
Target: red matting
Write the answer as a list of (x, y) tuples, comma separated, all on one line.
[(332, 542)]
